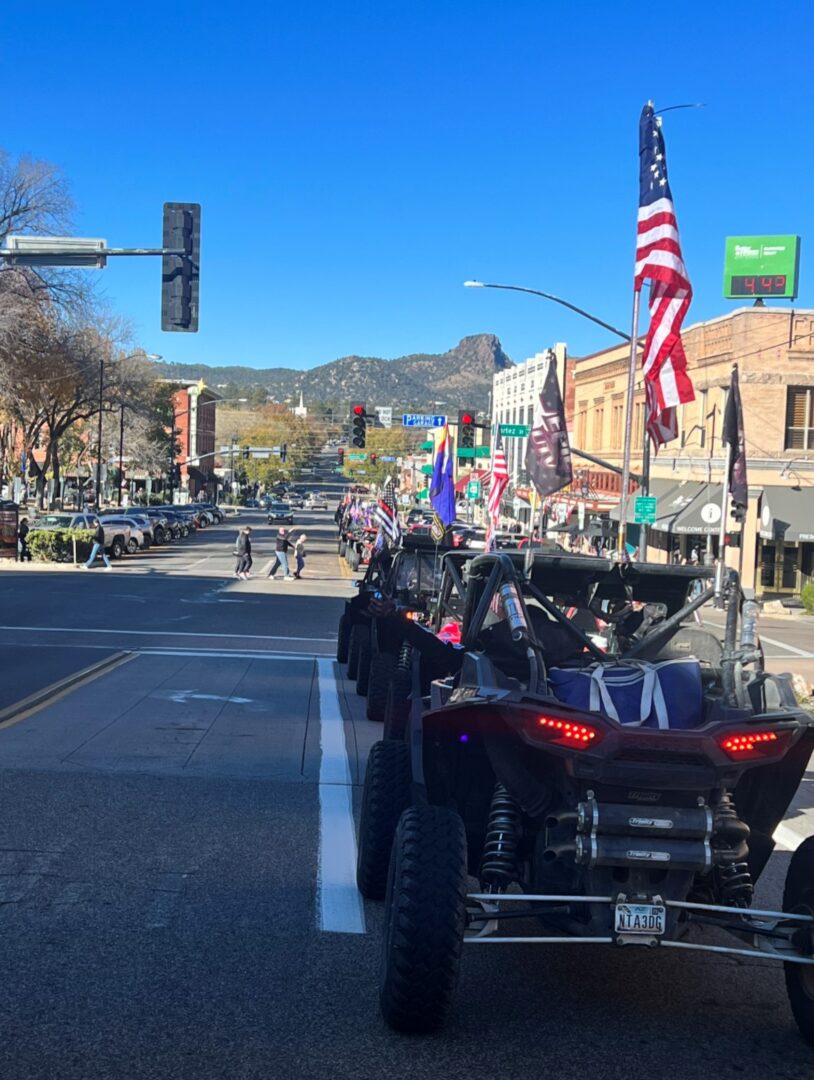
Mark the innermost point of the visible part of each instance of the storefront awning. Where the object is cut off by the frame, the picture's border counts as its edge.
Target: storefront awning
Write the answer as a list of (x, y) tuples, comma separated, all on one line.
[(681, 506), (788, 514)]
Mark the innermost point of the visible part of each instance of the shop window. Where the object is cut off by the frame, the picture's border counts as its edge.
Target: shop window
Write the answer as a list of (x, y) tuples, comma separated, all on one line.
[(799, 418)]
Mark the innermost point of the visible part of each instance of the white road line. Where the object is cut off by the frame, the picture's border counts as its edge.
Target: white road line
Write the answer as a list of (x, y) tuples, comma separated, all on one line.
[(787, 839), (789, 648), (339, 905), (233, 654), (163, 633)]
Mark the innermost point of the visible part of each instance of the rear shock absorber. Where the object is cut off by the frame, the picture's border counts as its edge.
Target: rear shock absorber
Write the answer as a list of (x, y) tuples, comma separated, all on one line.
[(499, 866), (731, 836)]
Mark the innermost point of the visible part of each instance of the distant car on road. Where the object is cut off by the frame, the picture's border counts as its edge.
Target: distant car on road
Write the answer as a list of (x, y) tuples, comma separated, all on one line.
[(280, 514), (316, 502)]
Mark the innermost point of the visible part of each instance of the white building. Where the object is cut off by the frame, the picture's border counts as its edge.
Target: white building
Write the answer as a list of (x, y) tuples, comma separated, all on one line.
[(515, 392)]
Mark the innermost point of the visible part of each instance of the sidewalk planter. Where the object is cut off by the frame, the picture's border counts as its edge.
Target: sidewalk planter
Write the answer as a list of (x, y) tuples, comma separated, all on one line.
[(57, 545)]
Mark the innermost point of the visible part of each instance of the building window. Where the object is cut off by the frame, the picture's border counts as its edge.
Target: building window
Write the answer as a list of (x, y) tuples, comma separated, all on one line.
[(582, 414), (617, 412), (598, 424), (799, 418)]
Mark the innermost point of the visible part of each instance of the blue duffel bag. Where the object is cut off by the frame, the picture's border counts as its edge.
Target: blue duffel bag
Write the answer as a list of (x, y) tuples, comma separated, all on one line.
[(664, 695)]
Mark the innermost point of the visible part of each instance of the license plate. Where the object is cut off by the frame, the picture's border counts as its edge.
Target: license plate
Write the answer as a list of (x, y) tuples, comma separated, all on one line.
[(639, 919)]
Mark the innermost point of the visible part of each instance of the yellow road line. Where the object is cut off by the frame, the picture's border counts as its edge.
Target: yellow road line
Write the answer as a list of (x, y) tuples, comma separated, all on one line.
[(49, 695)]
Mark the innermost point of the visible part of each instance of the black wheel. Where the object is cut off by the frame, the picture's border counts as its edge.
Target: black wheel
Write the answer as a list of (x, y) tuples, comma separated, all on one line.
[(382, 666), (117, 548), (358, 634), (355, 558), (397, 708), (386, 794), (424, 918), (343, 639), (132, 546), (160, 535), (798, 896), (363, 667)]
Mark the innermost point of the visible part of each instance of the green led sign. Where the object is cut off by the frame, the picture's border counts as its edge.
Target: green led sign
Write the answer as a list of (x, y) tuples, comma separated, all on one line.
[(756, 266)]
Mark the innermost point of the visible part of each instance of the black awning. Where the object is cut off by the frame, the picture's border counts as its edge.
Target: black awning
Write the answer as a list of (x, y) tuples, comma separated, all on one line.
[(788, 514)]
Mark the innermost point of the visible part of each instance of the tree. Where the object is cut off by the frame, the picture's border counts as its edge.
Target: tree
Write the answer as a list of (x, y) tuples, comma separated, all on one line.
[(395, 442)]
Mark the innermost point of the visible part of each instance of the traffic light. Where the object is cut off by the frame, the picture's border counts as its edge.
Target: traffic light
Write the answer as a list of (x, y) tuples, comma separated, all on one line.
[(373, 459), (738, 513), (358, 421), (466, 429), (246, 453), (283, 452), (180, 274), (341, 453)]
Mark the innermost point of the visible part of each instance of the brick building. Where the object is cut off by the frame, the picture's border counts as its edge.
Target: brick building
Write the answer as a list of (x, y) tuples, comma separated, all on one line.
[(774, 350), (195, 408)]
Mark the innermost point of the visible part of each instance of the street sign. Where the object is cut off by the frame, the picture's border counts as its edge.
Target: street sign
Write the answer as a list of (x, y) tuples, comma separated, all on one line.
[(61, 251), (387, 457), (483, 451), (514, 431), (644, 510), (473, 489), (357, 457), (385, 414), (761, 266), (427, 470), (427, 446), (422, 420), (473, 451)]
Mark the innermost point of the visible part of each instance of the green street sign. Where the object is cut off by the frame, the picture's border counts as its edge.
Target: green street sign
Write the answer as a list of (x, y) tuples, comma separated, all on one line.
[(761, 266), (514, 431), (474, 451), (357, 457), (473, 489), (644, 510), (427, 470), (425, 446), (482, 451)]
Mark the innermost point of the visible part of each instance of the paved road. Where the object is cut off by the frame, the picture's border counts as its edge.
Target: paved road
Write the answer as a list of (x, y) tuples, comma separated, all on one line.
[(176, 847)]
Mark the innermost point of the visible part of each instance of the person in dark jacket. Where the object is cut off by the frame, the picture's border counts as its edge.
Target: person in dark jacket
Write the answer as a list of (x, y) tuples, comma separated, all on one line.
[(282, 546), (243, 552), (22, 535), (98, 548)]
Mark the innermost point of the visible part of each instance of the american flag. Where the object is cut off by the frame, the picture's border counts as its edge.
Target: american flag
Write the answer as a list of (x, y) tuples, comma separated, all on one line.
[(386, 513), (498, 478), (659, 260)]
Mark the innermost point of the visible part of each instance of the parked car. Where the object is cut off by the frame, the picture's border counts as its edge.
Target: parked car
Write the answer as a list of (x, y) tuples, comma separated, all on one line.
[(135, 537), (280, 513), (116, 535)]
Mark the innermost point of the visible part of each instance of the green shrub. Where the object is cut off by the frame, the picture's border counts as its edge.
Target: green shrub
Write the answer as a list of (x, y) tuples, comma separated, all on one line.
[(807, 596), (56, 545)]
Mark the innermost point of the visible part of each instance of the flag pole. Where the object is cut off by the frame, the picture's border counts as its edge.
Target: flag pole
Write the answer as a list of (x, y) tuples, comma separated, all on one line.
[(631, 390), (719, 569)]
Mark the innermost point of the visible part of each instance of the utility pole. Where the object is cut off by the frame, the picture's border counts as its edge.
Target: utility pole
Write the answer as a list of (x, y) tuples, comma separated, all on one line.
[(172, 453), (99, 452), (121, 453)]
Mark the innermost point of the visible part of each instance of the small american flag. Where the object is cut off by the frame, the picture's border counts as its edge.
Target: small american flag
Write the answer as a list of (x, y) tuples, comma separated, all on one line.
[(386, 513), (498, 479), (659, 260)]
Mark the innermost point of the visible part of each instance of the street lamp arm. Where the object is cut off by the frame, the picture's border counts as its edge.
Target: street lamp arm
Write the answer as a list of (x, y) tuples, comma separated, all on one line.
[(557, 300)]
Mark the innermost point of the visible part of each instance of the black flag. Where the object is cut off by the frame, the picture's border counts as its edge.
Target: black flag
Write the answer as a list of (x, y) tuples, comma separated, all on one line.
[(548, 454), (734, 438)]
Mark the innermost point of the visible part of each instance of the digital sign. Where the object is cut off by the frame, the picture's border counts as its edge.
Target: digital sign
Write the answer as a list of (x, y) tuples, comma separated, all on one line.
[(756, 266)]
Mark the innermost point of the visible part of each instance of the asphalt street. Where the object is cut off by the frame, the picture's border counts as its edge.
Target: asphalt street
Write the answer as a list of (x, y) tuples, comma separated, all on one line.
[(176, 861)]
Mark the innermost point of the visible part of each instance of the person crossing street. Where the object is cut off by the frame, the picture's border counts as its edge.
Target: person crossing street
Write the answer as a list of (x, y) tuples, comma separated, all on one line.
[(299, 553), (282, 546), (243, 553), (98, 548)]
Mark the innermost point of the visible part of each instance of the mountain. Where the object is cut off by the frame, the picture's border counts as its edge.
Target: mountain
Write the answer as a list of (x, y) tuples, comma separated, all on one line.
[(461, 377)]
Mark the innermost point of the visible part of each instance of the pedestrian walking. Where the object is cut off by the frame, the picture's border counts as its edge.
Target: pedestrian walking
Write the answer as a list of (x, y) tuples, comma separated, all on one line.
[(282, 546), (98, 548), (23, 553), (243, 553), (299, 552)]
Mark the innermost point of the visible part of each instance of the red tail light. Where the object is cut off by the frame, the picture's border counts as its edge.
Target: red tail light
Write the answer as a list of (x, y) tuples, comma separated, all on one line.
[(747, 745), (560, 731)]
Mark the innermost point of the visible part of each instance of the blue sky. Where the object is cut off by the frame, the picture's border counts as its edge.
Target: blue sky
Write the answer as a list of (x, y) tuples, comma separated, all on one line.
[(357, 162)]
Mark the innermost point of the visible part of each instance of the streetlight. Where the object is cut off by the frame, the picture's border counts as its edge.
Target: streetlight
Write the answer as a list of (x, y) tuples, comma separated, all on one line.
[(147, 356), (557, 300), (177, 416)]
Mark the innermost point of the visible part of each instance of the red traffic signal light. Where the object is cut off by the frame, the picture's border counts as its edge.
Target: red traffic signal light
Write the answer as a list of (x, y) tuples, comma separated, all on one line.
[(358, 410), (358, 420), (467, 419), (466, 430)]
